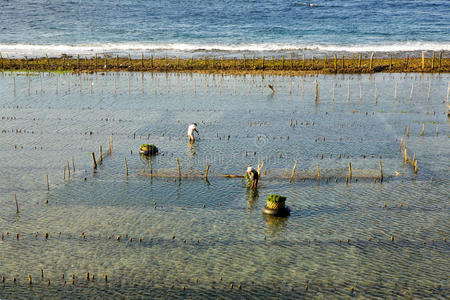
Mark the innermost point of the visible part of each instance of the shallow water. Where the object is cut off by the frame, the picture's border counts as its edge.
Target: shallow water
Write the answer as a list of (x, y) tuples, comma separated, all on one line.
[(337, 240)]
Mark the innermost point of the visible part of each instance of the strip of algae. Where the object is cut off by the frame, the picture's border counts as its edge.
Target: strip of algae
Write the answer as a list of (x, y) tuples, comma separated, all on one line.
[(242, 66)]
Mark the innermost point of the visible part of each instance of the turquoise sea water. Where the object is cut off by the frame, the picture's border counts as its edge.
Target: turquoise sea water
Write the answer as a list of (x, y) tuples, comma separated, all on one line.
[(363, 239), (228, 28)]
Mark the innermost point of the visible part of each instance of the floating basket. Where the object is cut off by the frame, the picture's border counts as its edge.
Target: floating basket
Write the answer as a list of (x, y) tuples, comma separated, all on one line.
[(148, 149), (275, 206)]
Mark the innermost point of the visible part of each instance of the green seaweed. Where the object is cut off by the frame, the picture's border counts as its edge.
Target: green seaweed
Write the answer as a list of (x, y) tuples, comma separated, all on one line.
[(274, 198), (249, 182)]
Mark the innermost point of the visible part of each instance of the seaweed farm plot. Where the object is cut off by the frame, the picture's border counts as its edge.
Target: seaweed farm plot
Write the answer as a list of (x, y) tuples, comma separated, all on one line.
[(361, 159)]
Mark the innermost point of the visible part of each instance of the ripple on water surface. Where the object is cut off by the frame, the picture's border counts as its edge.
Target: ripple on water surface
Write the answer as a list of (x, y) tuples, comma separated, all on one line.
[(171, 237)]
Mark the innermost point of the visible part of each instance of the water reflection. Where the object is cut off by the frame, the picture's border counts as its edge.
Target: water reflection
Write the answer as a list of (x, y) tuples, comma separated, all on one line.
[(252, 198), (275, 225)]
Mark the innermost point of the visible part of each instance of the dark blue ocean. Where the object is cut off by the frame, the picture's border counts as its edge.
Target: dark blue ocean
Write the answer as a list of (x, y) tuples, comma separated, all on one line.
[(229, 27)]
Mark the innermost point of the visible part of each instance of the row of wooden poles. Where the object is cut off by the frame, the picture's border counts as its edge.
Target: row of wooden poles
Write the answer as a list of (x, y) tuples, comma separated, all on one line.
[(207, 62), (88, 276)]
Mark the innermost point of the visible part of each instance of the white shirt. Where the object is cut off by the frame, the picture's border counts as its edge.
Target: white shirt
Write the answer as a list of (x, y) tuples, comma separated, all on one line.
[(191, 129)]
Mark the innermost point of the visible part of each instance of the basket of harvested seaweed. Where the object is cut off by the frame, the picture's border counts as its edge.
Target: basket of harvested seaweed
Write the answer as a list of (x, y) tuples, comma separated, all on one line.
[(147, 149), (276, 206)]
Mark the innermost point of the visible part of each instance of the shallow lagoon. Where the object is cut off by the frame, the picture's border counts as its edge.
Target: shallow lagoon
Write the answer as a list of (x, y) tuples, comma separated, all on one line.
[(337, 240)]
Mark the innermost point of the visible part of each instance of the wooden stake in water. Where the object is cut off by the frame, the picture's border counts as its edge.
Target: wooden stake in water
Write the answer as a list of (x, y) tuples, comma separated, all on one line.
[(206, 172), (293, 171), (381, 172), (371, 61), (423, 129), (412, 91), (93, 160), (73, 164), (316, 96), (405, 154), (437, 127), (126, 166), (48, 185), (401, 142), (429, 90), (150, 166), (101, 154), (17, 204), (350, 171), (407, 131), (423, 60), (68, 168), (179, 168), (318, 171)]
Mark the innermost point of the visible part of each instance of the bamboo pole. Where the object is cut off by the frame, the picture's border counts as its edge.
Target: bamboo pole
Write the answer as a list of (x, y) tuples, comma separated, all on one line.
[(350, 171), (405, 155), (381, 172), (423, 129), (17, 204), (101, 154), (206, 172), (423, 60), (93, 159), (360, 58), (48, 185), (68, 167), (150, 166), (407, 131), (318, 171), (73, 164), (371, 61), (401, 143), (293, 171), (126, 166), (179, 168), (316, 89)]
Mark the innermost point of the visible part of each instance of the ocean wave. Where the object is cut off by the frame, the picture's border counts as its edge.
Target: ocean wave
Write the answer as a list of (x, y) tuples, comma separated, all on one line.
[(124, 48)]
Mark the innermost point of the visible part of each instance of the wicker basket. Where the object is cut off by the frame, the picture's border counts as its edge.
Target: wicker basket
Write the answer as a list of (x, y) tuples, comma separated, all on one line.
[(275, 205)]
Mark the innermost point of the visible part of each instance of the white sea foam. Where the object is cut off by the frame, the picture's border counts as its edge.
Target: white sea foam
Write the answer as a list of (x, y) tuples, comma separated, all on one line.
[(20, 50)]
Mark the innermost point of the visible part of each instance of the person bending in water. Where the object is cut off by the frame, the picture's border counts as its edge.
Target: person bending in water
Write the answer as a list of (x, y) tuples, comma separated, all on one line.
[(254, 177), (191, 129)]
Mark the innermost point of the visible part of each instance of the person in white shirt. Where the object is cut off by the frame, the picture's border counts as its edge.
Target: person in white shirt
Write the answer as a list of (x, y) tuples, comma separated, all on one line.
[(254, 177), (190, 133)]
